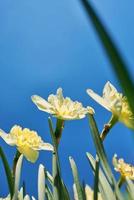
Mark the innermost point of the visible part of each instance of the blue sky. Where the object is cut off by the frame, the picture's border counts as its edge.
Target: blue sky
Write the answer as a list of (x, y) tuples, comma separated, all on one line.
[(49, 44)]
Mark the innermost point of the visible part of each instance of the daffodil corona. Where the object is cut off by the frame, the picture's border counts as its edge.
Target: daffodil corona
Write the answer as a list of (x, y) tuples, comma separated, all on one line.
[(114, 102), (60, 107), (27, 142), (126, 170)]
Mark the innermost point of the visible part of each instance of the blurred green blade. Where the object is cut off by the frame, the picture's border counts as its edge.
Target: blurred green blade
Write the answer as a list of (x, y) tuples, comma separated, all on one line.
[(76, 179), (104, 185), (130, 188), (8, 172), (118, 64)]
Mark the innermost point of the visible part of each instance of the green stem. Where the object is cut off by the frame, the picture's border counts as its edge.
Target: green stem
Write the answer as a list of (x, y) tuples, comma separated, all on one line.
[(57, 182), (17, 155), (107, 127), (58, 130), (55, 177), (8, 172), (121, 181)]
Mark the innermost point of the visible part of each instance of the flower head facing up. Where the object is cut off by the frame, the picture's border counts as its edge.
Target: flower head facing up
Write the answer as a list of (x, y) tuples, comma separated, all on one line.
[(60, 107), (126, 170), (116, 103), (27, 142)]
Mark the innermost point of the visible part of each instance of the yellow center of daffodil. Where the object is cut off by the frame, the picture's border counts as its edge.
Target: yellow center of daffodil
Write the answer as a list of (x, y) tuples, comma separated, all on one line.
[(27, 142), (116, 103), (60, 107), (126, 170)]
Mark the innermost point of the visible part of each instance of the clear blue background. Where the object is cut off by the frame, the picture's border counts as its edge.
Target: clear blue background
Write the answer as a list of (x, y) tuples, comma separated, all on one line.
[(48, 44)]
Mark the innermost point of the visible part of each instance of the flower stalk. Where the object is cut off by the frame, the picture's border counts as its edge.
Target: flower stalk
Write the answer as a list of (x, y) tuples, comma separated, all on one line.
[(108, 126), (58, 130)]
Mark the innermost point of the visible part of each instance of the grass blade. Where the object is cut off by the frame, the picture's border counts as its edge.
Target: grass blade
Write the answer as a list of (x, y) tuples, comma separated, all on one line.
[(105, 187), (8, 172), (96, 179), (59, 189), (41, 182), (117, 61), (102, 155), (17, 177), (76, 179), (130, 188), (100, 149)]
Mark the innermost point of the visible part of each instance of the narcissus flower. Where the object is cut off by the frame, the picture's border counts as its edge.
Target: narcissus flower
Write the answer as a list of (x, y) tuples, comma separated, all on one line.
[(116, 103), (60, 107), (126, 170), (27, 142)]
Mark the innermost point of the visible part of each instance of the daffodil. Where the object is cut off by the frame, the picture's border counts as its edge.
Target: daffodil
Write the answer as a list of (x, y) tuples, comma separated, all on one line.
[(60, 107), (27, 142), (126, 170), (90, 194), (116, 103)]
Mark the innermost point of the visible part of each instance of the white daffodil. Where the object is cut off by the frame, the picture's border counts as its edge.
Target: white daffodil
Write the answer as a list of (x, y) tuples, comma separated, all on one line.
[(60, 107), (114, 102), (126, 170), (27, 142)]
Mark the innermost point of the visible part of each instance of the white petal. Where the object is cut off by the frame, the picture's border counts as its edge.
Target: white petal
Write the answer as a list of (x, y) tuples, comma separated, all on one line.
[(46, 146), (7, 138), (60, 95), (98, 99), (27, 197), (41, 103), (109, 90)]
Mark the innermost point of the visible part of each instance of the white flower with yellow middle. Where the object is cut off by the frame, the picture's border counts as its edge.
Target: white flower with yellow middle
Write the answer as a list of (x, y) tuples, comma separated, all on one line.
[(60, 107), (114, 102), (27, 142), (126, 170)]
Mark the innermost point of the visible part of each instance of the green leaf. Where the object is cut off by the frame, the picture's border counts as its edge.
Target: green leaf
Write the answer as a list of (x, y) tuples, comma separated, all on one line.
[(100, 149), (52, 132), (102, 155), (130, 188), (59, 189), (49, 194), (49, 177), (8, 172), (17, 177), (96, 180), (76, 179), (41, 182), (104, 186), (119, 66)]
